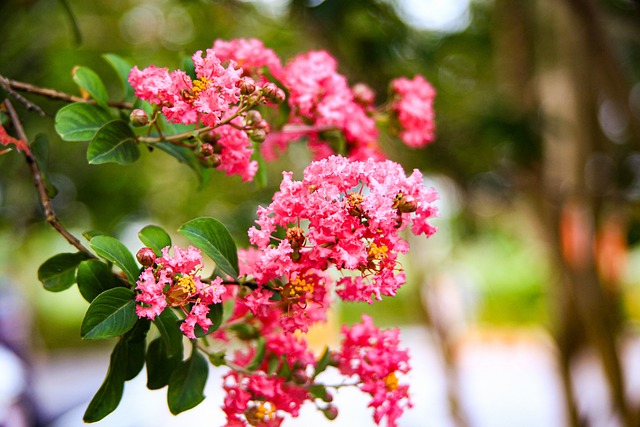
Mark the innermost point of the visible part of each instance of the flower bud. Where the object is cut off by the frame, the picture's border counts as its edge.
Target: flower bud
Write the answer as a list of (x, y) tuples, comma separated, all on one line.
[(146, 257), (273, 93), (331, 412), (247, 85), (258, 135), (138, 118), (214, 160), (211, 137), (252, 117), (405, 204), (363, 94), (206, 149)]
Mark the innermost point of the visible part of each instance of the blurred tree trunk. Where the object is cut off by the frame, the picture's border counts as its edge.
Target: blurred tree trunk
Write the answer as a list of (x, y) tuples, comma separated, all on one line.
[(554, 63)]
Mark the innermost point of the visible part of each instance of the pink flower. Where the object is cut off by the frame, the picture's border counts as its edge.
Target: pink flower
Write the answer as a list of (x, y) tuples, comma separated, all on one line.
[(351, 213), (205, 99), (413, 104), (173, 281), (375, 358), (250, 54), (236, 152), (321, 97)]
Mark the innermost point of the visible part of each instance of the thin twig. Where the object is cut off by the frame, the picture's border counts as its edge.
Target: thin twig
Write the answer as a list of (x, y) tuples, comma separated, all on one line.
[(50, 214), (4, 82), (54, 94)]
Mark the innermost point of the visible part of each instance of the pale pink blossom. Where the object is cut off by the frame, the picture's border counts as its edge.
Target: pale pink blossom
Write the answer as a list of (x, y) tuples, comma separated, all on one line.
[(250, 54)]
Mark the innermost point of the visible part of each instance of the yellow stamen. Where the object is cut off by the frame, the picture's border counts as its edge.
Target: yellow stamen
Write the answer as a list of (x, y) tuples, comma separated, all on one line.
[(391, 381), (377, 252), (187, 284), (264, 411), (197, 86)]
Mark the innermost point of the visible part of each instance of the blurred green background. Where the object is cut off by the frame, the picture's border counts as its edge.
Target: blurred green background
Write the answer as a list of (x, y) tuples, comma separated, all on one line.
[(537, 155)]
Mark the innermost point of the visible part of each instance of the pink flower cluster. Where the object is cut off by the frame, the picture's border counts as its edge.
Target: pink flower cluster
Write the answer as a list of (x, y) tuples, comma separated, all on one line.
[(277, 386), (375, 358), (251, 55), (347, 214), (183, 100), (413, 105), (320, 97), (172, 281)]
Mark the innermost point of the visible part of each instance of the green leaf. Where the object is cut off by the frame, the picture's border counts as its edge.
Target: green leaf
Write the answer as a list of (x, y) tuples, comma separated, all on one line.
[(112, 250), (135, 348), (169, 327), (187, 156), (59, 272), (114, 142), (213, 238), (285, 368), (122, 68), (215, 315), (88, 80), (258, 357), (318, 391), (187, 383), (112, 313), (159, 365), (323, 362), (91, 234), (108, 396), (80, 121), (40, 150), (155, 238), (94, 277)]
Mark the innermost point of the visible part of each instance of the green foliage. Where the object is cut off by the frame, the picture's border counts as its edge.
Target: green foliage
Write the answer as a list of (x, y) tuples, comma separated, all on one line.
[(59, 272), (187, 383), (213, 238), (155, 238), (112, 250), (114, 142), (88, 80), (122, 68), (111, 314), (80, 121), (170, 334), (127, 359), (259, 355), (160, 365), (188, 157), (94, 277)]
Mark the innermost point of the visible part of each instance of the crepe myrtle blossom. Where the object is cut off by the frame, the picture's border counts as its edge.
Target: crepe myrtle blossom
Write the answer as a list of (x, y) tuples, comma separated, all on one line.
[(184, 100), (173, 281), (251, 55), (413, 105), (346, 214), (261, 398), (373, 356), (321, 97)]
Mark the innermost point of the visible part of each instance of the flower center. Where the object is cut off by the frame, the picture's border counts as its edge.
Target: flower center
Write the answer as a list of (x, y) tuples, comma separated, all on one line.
[(391, 382), (181, 290), (257, 415), (299, 287), (354, 204), (197, 86)]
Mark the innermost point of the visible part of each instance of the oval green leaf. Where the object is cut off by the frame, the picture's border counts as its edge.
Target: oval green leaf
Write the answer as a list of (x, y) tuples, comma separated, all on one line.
[(108, 396), (159, 365), (187, 382), (114, 142), (112, 250), (169, 327), (122, 68), (87, 79), (111, 314), (94, 277), (80, 121), (155, 238), (213, 238), (59, 272)]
